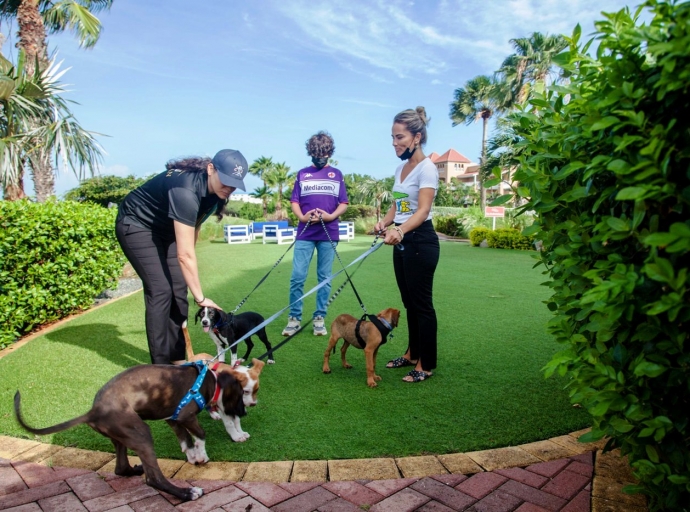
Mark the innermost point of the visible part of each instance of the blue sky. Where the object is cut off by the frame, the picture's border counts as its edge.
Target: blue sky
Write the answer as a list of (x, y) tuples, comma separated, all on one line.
[(174, 78)]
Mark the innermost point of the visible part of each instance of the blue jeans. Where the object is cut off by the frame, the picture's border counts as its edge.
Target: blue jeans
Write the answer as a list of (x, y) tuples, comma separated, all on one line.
[(303, 252)]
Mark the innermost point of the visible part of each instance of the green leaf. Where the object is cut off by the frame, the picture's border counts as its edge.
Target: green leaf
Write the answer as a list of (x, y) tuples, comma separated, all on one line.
[(501, 200), (659, 239), (652, 453), (492, 182), (648, 369), (618, 224), (605, 123), (629, 193), (619, 166)]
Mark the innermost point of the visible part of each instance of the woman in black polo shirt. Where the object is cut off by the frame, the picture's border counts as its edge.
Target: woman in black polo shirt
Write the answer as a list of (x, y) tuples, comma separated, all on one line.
[(157, 227)]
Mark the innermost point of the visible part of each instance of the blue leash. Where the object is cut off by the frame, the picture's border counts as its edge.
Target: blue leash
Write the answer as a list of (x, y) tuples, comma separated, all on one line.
[(193, 393), (317, 287)]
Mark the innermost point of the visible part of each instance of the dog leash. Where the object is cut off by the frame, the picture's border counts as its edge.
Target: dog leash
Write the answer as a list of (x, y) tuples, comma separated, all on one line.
[(330, 301), (317, 287), (273, 267), (349, 278)]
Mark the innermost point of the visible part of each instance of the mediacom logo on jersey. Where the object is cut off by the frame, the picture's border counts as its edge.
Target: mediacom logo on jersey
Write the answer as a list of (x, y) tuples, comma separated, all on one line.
[(320, 187)]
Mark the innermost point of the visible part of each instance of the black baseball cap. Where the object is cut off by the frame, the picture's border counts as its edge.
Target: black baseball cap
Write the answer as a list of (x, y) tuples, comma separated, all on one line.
[(232, 167)]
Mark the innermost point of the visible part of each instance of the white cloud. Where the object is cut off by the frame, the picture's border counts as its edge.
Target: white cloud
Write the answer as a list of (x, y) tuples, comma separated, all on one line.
[(433, 37), (368, 103)]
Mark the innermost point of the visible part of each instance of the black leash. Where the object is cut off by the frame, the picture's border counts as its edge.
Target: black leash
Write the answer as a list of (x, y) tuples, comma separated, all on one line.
[(272, 268), (330, 301), (349, 278)]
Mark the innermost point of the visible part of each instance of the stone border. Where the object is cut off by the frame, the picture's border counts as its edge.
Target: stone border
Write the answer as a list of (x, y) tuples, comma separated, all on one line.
[(611, 472)]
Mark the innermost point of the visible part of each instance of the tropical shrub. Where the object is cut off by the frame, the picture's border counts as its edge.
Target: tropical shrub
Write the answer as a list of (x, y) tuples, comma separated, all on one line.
[(104, 190), (55, 257), (507, 238), (605, 168), (251, 211), (449, 225), (357, 211), (478, 235)]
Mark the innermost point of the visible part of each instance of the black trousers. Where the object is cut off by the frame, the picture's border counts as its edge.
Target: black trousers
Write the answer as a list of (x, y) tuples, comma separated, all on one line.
[(154, 259), (415, 264)]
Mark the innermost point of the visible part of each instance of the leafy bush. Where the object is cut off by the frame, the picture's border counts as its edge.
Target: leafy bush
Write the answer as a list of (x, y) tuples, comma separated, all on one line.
[(55, 257), (251, 211), (449, 225), (478, 235), (506, 238), (605, 168), (358, 211), (103, 190)]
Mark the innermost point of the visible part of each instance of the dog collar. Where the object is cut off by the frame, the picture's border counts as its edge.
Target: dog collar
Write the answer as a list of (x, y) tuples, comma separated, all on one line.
[(213, 404)]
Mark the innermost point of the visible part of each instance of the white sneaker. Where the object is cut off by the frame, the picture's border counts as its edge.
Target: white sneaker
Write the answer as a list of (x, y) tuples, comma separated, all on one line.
[(292, 327), (319, 327)]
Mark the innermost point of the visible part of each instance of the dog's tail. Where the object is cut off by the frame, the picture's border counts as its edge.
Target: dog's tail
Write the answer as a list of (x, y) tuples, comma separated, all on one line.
[(187, 342), (48, 430)]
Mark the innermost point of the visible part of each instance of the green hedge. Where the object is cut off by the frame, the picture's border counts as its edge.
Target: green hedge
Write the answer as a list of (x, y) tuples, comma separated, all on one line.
[(605, 167), (55, 257), (449, 225), (502, 238), (358, 211), (478, 235)]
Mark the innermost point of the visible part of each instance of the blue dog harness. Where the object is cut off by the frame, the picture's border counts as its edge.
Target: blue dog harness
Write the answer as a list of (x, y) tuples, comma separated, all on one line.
[(193, 393)]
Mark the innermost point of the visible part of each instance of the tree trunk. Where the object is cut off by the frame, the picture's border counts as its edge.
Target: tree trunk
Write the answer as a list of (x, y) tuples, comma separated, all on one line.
[(482, 192), (32, 39), (42, 174), (15, 192)]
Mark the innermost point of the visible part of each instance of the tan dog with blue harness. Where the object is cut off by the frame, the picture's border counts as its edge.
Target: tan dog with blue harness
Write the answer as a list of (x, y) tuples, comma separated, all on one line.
[(363, 334)]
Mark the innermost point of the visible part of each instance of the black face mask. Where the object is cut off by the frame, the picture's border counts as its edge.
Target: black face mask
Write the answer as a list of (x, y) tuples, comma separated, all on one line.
[(319, 163), (407, 153)]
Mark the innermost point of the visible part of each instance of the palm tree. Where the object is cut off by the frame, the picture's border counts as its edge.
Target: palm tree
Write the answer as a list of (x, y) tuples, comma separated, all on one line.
[(481, 98), (260, 167), (530, 64), (264, 193), (34, 112), (376, 192), (279, 177), (34, 18)]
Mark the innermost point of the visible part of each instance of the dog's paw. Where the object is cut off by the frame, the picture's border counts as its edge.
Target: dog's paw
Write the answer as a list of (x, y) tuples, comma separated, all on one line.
[(240, 437), (371, 383), (271, 361), (347, 365), (195, 493), (377, 378), (215, 415), (326, 370)]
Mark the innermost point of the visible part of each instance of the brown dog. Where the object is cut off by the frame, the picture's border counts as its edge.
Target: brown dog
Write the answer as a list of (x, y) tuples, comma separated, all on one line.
[(152, 392), (344, 327), (247, 377)]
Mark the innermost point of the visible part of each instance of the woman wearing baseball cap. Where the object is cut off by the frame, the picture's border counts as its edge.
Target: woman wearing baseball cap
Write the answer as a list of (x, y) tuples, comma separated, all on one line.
[(157, 227)]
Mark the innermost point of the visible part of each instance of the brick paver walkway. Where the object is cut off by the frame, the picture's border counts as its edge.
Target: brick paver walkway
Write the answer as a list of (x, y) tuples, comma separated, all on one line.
[(563, 485)]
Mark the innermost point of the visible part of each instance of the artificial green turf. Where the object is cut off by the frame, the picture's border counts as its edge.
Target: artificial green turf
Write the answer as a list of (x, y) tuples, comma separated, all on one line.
[(488, 390)]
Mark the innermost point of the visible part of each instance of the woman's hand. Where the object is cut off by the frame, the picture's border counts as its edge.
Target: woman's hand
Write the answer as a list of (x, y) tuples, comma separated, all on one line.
[(393, 237), (208, 303), (380, 227)]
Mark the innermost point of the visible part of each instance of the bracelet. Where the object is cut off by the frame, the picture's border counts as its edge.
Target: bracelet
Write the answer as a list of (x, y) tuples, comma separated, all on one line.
[(200, 301), (400, 231)]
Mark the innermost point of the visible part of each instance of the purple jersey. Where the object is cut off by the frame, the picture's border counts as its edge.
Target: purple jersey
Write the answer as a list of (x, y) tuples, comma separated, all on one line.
[(319, 188)]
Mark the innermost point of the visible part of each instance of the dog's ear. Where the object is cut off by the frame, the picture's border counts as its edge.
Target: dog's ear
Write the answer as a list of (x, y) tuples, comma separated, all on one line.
[(233, 404), (396, 317), (257, 366), (197, 317)]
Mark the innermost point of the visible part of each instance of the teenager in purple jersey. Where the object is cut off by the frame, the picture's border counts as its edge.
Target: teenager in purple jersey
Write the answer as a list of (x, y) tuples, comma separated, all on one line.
[(319, 192)]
